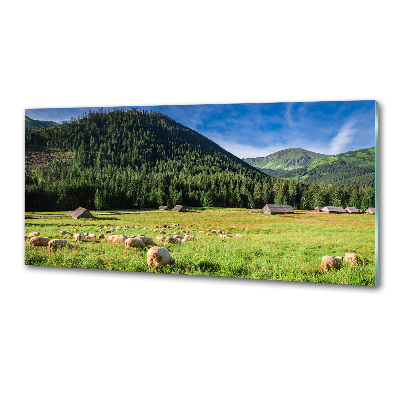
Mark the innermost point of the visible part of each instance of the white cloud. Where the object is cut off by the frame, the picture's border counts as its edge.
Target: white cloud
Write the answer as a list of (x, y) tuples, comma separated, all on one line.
[(251, 151), (344, 137), (288, 115), (245, 150)]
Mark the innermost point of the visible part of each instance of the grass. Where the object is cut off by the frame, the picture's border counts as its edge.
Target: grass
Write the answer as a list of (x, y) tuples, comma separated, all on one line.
[(274, 247)]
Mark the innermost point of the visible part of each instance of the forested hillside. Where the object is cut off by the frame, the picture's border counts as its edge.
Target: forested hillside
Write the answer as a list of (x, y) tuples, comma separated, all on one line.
[(352, 167), (127, 159), (35, 123)]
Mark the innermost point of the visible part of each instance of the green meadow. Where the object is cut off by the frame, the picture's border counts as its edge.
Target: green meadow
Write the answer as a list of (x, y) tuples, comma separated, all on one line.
[(274, 247)]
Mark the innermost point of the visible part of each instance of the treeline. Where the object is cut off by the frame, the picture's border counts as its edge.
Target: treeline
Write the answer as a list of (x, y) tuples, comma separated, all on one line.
[(339, 172), (128, 159)]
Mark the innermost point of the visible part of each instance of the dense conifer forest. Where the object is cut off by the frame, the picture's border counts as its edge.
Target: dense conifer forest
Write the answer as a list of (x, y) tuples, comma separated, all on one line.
[(131, 159)]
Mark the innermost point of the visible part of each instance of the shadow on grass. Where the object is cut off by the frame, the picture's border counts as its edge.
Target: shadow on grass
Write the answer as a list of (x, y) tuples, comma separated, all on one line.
[(106, 218), (72, 222), (203, 267)]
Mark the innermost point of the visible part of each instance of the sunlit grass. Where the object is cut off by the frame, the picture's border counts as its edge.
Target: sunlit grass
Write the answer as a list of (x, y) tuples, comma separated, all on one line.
[(274, 247)]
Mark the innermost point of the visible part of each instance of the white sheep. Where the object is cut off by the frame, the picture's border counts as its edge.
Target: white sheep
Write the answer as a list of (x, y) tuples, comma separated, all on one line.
[(351, 258), (329, 262), (148, 241), (159, 256), (56, 243), (188, 238), (239, 236), (33, 234), (38, 241), (134, 242), (78, 237), (116, 239), (65, 233), (91, 236), (173, 240)]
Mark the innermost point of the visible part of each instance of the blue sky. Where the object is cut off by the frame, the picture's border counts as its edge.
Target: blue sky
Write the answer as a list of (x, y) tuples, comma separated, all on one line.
[(259, 129)]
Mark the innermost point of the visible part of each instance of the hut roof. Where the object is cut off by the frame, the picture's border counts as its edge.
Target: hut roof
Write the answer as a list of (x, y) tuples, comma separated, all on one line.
[(370, 210), (333, 209), (278, 209), (179, 208), (352, 210), (81, 212), (163, 208)]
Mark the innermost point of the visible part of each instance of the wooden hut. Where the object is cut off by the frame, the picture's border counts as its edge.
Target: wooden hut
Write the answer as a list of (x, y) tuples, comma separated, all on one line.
[(318, 209), (333, 210), (353, 210), (179, 208), (277, 209), (81, 212), (370, 210), (163, 208)]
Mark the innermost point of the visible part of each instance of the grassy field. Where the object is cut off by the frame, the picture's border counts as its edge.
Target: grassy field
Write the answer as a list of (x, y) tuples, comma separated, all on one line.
[(274, 247)]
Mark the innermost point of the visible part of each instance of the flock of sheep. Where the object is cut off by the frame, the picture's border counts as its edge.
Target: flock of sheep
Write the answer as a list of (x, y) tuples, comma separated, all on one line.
[(332, 263), (156, 256), (159, 256)]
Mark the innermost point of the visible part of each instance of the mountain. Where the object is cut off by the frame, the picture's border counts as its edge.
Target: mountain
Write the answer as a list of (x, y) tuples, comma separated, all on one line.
[(124, 159), (35, 123), (288, 159), (352, 167), (127, 159)]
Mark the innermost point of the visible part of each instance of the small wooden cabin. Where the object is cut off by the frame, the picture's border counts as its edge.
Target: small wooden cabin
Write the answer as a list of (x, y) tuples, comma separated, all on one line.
[(81, 212), (370, 210), (353, 210), (163, 208), (179, 208), (277, 209), (333, 210)]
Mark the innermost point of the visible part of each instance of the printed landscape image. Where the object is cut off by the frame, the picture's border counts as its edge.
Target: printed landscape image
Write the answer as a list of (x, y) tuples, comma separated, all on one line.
[(280, 191)]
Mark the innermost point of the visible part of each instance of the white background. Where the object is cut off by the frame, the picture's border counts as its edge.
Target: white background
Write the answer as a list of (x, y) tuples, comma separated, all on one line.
[(77, 334)]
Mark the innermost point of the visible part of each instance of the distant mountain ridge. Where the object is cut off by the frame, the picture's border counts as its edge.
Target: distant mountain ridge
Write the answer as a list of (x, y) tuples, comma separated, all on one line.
[(345, 168), (287, 159), (35, 123)]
